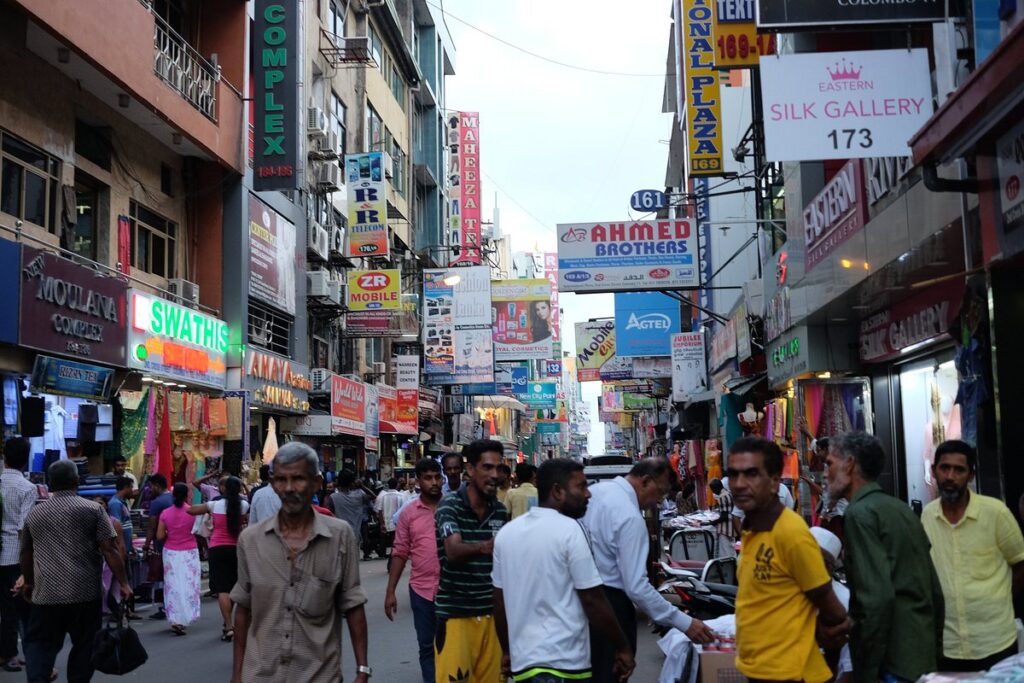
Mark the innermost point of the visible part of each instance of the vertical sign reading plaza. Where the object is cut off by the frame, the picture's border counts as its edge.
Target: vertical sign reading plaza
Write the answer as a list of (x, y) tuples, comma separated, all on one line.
[(276, 90), (702, 84)]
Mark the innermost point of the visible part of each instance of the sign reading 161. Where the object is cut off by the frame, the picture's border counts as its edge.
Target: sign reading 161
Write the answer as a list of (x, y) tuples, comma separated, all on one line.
[(647, 200)]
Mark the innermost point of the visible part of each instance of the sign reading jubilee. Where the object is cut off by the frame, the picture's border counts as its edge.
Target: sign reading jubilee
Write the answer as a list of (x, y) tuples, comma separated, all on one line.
[(276, 85)]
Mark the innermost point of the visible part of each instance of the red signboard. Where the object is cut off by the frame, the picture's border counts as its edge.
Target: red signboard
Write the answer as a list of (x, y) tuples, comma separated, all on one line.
[(835, 214), (469, 189), (348, 406)]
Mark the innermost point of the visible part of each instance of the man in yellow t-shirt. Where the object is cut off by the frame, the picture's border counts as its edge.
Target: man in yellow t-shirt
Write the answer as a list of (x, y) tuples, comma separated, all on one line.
[(524, 496), (782, 576)]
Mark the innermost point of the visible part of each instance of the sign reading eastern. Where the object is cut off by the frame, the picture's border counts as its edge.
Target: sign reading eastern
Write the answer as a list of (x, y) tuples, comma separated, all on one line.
[(276, 94)]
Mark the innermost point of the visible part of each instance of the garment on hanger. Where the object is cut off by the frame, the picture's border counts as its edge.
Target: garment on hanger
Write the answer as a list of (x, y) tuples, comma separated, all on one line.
[(53, 439)]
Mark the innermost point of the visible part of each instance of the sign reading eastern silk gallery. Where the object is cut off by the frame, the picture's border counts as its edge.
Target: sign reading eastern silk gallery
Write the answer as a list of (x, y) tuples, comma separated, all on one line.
[(921, 318), (627, 256), (174, 341), (844, 105), (781, 14), (277, 382), (276, 94), (835, 214), (70, 309)]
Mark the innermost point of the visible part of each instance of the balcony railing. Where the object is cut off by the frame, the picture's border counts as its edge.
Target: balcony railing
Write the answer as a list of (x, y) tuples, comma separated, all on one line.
[(184, 69)]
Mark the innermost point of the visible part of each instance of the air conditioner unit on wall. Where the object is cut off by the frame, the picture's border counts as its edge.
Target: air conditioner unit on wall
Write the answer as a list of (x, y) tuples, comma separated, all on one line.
[(379, 368), (328, 177), (320, 378), (317, 240), (337, 244), (184, 292), (327, 146), (316, 123), (316, 283), (334, 291), (389, 166)]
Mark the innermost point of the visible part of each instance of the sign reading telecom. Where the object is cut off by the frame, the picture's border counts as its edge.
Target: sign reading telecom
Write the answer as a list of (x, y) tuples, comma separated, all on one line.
[(170, 340), (367, 205), (844, 105), (702, 85), (781, 14), (627, 256), (276, 86), (644, 323)]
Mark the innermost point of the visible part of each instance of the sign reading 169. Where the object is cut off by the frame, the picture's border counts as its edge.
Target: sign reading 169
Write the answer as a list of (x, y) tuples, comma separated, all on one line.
[(698, 164), (848, 138)]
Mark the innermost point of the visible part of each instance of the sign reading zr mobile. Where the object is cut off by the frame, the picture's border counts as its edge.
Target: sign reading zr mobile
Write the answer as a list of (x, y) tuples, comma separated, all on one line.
[(275, 62), (781, 14)]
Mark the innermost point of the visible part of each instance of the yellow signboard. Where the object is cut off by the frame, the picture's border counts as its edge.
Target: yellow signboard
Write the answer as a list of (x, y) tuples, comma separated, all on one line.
[(702, 84), (375, 290), (737, 42)]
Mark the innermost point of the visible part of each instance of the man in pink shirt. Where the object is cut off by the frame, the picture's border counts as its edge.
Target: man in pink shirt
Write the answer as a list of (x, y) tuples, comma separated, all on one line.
[(415, 540)]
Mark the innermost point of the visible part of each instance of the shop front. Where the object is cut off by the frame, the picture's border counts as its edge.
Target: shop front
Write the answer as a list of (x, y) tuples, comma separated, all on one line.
[(58, 390), (276, 387)]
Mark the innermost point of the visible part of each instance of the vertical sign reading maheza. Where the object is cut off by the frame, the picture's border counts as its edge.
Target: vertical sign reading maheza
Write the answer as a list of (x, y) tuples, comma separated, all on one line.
[(467, 235)]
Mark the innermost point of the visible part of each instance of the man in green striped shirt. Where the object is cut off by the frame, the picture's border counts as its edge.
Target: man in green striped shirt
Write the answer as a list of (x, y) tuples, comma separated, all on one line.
[(466, 646)]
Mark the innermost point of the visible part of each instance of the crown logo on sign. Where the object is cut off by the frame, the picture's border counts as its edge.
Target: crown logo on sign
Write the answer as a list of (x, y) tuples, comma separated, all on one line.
[(846, 72)]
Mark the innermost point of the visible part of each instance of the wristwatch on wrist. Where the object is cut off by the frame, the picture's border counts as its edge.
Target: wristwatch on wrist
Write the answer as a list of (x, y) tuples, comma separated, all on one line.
[(363, 669)]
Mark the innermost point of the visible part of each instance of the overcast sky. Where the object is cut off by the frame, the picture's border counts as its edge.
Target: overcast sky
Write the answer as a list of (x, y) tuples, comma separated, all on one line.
[(560, 145)]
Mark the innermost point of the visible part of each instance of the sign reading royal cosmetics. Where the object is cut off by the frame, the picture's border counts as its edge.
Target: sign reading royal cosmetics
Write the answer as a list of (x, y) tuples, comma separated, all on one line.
[(70, 309), (689, 369), (627, 256), (835, 214), (277, 382), (367, 205), (457, 336), (271, 257), (781, 14), (170, 340), (521, 311), (348, 406), (467, 178), (844, 105), (276, 94), (920, 318), (1010, 167), (595, 346), (702, 84), (644, 323)]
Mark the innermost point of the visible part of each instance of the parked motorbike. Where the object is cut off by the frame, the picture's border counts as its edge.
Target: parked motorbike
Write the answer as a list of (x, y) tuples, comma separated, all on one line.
[(701, 599)]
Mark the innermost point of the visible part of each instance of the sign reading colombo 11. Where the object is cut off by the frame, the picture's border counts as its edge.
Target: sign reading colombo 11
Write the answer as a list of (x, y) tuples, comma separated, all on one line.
[(276, 138), (627, 256)]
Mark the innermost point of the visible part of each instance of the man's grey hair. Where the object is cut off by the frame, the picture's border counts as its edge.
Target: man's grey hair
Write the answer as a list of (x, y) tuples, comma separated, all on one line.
[(865, 449), (62, 476), (294, 452)]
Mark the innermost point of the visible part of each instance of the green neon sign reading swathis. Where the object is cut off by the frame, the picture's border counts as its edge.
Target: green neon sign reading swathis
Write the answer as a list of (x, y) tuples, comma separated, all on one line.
[(185, 325)]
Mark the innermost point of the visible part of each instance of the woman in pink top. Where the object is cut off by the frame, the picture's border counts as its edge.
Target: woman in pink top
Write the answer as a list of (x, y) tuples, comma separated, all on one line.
[(181, 562), (229, 514)]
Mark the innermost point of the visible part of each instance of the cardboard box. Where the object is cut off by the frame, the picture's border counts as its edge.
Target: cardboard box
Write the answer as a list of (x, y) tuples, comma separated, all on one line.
[(719, 667)]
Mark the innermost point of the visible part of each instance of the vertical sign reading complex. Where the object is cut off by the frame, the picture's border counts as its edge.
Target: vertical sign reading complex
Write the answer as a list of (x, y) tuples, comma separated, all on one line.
[(689, 369), (457, 326), (271, 257), (276, 90), (367, 205), (467, 237), (702, 84)]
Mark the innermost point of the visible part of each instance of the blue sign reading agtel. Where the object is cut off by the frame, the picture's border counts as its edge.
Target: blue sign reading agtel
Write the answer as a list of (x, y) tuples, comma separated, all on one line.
[(644, 324)]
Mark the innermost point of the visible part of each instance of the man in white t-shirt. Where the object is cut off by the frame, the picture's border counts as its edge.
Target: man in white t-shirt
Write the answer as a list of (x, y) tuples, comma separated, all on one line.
[(547, 587)]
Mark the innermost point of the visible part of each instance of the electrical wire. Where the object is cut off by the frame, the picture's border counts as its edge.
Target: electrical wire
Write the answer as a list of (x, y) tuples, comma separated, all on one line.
[(517, 203), (575, 67)]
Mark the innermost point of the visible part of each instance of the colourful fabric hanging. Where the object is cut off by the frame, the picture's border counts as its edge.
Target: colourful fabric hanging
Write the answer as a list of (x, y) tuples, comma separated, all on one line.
[(218, 417), (124, 244), (234, 411)]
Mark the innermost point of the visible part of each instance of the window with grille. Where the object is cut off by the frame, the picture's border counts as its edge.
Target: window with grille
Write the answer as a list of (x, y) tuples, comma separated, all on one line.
[(269, 329), (339, 117), (374, 130), (29, 182), (154, 241)]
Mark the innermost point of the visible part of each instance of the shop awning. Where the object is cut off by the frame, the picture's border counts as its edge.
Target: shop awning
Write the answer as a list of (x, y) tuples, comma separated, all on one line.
[(741, 385), (988, 94), (499, 402)]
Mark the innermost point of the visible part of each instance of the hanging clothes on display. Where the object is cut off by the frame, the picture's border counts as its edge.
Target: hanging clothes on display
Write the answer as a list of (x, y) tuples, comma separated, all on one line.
[(11, 391), (53, 440)]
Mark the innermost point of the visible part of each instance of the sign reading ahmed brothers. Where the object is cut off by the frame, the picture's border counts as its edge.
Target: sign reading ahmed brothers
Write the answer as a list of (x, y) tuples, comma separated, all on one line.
[(788, 13)]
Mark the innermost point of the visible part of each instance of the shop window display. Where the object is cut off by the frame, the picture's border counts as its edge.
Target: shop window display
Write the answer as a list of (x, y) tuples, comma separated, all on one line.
[(930, 416)]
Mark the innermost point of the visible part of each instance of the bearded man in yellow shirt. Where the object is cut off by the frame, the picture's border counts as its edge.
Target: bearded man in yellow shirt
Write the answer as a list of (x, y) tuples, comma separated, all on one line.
[(782, 576)]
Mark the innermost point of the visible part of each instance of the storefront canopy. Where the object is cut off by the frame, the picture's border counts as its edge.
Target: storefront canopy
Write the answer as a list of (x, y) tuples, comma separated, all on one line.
[(499, 402)]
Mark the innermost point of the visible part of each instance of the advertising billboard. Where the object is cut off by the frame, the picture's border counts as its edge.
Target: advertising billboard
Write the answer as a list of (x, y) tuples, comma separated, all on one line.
[(276, 110), (644, 323), (375, 290), (835, 214), (172, 341), (523, 319), (689, 368), (783, 14), (348, 406), (540, 395), (702, 85), (271, 257), (844, 105), (457, 330), (394, 417), (627, 256), (1010, 172), (595, 346), (276, 382), (367, 205), (465, 179)]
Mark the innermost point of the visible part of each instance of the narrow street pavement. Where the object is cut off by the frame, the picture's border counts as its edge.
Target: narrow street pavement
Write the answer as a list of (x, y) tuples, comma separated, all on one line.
[(200, 656)]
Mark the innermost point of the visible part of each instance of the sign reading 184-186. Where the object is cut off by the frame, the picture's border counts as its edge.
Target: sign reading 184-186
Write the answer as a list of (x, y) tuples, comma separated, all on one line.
[(276, 91)]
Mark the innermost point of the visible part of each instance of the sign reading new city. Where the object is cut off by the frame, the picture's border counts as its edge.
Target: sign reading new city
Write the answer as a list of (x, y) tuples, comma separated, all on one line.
[(276, 85), (702, 85), (170, 340), (627, 256), (844, 105)]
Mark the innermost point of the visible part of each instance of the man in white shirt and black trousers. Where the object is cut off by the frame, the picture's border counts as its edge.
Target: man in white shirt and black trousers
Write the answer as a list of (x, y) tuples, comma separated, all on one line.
[(619, 538), (547, 588)]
